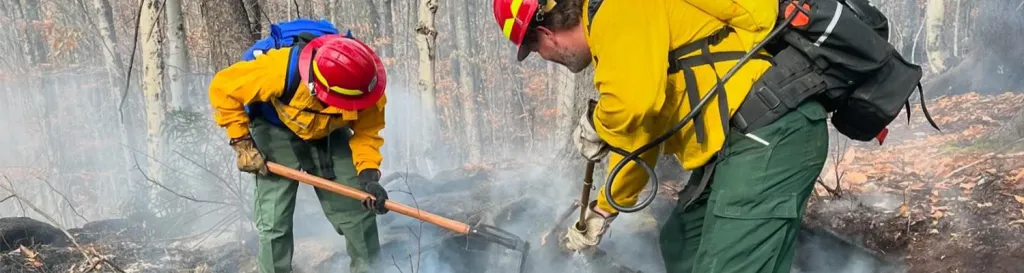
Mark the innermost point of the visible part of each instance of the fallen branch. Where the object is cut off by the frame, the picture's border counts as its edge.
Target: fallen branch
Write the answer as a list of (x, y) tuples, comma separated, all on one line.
[(106, 261), (984, 158), (58, 225)]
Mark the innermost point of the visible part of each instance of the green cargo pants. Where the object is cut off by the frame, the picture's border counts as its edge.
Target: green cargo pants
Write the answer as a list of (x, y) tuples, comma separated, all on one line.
[(275, 203), (747, 219)]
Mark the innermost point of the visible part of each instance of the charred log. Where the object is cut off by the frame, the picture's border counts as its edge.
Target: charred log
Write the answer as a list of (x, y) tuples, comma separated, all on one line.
[(28, 232), (993, 64)]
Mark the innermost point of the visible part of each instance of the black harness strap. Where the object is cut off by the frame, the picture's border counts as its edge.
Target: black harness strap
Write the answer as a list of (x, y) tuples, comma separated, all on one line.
[(924, 108), (678, 63), (592, 8)]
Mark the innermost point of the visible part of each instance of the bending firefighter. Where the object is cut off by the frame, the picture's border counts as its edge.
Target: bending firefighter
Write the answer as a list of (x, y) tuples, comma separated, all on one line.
[(327, 126), (653, 61)]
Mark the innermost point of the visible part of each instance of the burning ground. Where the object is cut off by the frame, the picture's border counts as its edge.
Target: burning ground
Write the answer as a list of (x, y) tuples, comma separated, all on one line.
[(926, 201), (945, 202)]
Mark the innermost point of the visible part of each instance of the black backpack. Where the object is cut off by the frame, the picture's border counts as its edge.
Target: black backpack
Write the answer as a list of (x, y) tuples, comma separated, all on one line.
[(839, 54)]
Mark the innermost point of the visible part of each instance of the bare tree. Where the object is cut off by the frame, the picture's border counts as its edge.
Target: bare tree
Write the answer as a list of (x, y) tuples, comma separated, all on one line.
[(152, 83), (177, 54), (105, 24), (937, 53), (466, 79), (115, 70), (34, 43), (388, 29), (227, 28), (574, 90), (255, 14), (426, 38)]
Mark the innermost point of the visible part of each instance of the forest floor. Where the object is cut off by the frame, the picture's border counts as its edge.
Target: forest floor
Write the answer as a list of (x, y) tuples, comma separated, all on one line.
[(949, 201)]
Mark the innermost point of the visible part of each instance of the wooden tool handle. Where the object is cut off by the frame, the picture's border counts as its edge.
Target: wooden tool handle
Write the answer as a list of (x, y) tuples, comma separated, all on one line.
[(456, 226)]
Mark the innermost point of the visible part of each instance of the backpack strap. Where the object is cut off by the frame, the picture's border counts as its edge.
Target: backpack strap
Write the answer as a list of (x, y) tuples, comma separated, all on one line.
[(592, 8), (292, 78), (927, 116)]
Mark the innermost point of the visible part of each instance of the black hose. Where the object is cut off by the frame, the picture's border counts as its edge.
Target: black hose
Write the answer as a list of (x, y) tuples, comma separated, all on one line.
[(635, 155)]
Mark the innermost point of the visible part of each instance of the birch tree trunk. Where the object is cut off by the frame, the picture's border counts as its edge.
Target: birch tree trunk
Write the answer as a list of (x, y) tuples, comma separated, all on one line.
[(177, 54), (152, 82), (466, 78), (426, 38), (937, 55), (105, 24), (115, 75)]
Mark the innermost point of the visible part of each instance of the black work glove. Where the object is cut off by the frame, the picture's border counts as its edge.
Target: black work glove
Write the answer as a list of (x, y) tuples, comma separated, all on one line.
[(369, 181)]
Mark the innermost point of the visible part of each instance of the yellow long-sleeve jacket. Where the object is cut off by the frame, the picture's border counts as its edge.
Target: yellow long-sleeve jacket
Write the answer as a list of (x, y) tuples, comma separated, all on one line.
[(638, 100), (262, 80)]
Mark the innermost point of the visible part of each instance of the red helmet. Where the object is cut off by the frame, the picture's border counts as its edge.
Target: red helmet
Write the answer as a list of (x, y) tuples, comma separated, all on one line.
[(514, 18), (343, 72)]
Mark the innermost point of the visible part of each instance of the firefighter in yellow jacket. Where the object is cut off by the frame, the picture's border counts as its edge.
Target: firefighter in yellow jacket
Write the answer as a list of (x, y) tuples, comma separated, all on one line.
[(328, 125), (653, 61)]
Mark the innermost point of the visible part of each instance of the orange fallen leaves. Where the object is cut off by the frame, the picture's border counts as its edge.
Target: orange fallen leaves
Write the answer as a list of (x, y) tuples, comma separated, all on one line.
[(856, 178), (31, 257), (1019, 178)]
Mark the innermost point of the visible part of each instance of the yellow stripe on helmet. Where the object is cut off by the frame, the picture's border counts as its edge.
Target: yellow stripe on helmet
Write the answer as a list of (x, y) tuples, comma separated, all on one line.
[(507, 28), (336, 89), (515, 7)]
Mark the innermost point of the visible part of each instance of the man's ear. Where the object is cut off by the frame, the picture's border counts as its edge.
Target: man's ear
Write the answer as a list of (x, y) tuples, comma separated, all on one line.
[(543, 31)]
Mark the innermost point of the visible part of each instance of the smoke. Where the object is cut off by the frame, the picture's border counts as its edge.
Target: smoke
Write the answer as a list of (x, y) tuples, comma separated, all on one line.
[(523, 198)]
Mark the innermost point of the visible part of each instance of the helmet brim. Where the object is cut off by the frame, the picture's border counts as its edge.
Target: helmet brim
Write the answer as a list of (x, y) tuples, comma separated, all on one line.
[(351, 103), (524, 52)]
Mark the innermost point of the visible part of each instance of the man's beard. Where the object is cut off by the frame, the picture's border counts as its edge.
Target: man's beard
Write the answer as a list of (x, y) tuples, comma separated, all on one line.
[(575, 61)]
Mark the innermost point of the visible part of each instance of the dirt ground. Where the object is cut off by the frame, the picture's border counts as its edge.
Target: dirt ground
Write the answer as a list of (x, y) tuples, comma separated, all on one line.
[(950, 201)]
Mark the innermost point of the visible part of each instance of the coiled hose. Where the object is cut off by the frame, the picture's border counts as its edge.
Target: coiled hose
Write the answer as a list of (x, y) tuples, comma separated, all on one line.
[(635, 155)]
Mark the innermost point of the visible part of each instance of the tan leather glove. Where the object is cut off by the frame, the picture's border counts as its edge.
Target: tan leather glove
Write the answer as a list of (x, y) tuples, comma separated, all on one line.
[(596, 225), (250, 159), (585, 137)]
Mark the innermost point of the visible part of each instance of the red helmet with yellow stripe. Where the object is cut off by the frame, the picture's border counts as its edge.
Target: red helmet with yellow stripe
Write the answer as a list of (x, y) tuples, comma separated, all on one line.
[(514, 18), (342, 72)]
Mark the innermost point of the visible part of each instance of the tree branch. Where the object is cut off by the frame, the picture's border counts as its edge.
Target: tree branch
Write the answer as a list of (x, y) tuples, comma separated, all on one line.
[(20, 205), (190, 198), (70, 205), (234, 191)]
